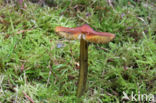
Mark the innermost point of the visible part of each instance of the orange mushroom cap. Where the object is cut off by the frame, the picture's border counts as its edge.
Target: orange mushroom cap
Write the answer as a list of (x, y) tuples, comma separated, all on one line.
[(85, 32)]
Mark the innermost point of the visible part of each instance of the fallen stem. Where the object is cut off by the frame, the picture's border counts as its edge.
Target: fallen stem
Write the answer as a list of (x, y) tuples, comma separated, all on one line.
[(31, 100)]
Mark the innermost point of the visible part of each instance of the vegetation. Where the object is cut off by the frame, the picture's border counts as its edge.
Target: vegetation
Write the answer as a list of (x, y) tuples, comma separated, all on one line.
[(36, 62)]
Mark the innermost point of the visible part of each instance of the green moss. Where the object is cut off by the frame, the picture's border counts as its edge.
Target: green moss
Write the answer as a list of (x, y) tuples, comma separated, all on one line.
[(32, 62)]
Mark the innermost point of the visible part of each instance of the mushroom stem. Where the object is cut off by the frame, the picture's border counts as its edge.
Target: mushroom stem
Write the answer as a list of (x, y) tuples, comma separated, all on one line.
[(83, 67)]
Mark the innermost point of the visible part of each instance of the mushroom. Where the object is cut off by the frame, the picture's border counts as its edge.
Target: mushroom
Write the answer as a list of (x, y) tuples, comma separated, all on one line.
[(85, 34)]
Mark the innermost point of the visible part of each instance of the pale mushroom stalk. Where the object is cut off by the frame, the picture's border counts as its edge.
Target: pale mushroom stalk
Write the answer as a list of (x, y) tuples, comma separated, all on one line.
[(86, 34), (83, 67)]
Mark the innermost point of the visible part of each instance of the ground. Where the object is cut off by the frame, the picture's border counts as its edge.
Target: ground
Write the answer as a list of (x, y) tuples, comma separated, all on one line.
[(36, 62)]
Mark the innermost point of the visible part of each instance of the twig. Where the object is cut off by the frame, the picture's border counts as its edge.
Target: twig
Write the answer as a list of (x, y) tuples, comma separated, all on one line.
[(48, 78), (22, 67), (110, 3), (109, 94), (83, 19), (50, 71), (28, 98), (142, 20), (106, 50), (16, 89), (22, 31)]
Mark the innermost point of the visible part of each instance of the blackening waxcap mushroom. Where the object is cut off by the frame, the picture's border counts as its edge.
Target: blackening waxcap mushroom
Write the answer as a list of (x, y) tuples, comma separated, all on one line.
[(85, 32)]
